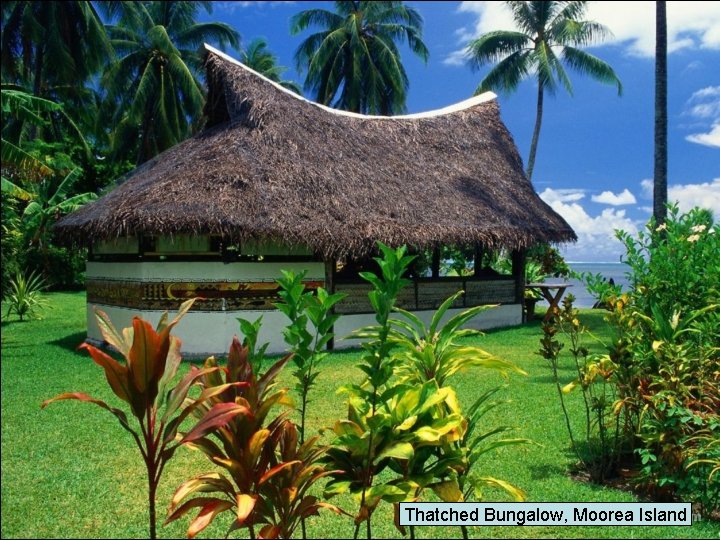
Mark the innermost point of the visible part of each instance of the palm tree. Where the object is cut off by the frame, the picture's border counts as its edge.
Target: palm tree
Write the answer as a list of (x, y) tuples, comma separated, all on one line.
[(549, 34), (660, 168), (52, 47), (257, 56), (153, 86), (22, 114), (49, 201), (353, 62), (52, 50)]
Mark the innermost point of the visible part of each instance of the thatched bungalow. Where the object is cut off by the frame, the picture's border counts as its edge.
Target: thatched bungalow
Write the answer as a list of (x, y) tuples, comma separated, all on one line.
[(278, 182)]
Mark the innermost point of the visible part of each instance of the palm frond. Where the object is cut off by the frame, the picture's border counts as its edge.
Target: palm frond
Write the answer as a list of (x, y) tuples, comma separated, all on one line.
[(214, 32), (494, 46), (314, 17), (507, 74), (587, 64)]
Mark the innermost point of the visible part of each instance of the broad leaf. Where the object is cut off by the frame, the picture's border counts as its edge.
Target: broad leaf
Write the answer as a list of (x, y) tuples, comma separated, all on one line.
[(117, 374), (122, 418), (219, 415)]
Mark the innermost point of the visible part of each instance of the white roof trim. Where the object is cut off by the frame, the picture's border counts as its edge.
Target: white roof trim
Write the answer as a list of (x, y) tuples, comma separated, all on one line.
[(462, 105)]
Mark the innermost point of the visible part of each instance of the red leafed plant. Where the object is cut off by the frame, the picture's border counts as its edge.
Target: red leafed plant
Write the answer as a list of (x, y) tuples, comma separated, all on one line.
[(269, 472), (152, 357)]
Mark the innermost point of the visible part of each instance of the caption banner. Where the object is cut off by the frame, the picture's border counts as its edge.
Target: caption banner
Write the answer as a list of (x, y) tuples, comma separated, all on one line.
[(498, 514)]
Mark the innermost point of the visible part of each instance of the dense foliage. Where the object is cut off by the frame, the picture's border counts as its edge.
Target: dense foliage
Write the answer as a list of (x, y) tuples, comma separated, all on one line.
[(88, 90), (353, 61), (406, 432), (662, 370)]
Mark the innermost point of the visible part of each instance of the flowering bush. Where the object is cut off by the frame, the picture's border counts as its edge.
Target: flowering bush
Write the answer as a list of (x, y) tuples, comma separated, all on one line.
[(675, 265), (668, 356)]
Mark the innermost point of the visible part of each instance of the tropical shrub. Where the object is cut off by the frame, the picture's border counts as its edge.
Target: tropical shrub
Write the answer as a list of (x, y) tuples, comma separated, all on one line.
[(405, 430), (550, 260), (666, 354), (144, 382), (600, 450), (11, 240), (310, 330), (437, 352), (603, 291), (675, 266), (24, 296), (269, 471), (65, 266), (384, 419)]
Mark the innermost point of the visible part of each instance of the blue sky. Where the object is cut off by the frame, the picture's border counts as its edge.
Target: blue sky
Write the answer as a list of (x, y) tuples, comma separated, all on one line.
[(595, 157)]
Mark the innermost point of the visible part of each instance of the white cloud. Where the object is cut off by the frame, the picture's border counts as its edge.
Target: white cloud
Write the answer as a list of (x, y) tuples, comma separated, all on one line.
[(690, 24), (711, 138), (704, 105), (456, 58), (551, 196), (608, 197), (596, 235), (705, 195)]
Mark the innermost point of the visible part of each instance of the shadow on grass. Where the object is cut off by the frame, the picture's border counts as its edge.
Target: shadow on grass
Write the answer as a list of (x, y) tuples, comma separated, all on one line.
[(542, 472), (70, 342)]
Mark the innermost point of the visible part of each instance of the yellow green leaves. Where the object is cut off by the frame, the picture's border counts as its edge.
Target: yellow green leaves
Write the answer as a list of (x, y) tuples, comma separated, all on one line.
[(448, 491)]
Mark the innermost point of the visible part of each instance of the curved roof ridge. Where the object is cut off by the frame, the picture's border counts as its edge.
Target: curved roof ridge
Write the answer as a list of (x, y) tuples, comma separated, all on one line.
[(456, 107)]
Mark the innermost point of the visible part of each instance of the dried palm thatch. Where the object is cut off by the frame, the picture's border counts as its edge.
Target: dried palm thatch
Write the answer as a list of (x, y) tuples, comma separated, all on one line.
[(271, 165)]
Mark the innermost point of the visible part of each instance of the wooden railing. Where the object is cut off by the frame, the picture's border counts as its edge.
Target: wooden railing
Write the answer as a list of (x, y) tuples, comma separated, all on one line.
[(428, 293)]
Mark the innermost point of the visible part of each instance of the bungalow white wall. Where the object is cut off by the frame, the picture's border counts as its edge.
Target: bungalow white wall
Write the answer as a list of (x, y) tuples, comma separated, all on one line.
[(124, 284), (201, 332)]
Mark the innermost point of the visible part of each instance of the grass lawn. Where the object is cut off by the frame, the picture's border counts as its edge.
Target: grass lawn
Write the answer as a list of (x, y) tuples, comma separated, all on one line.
[(71, 471)]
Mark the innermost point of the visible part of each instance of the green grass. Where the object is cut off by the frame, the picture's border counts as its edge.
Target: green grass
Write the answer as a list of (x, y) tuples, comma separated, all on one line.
[(71, 471)]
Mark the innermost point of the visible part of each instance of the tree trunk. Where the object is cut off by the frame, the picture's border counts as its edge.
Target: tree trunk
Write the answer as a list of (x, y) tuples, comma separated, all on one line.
[(37, 86), (536, 132), (660, 169)]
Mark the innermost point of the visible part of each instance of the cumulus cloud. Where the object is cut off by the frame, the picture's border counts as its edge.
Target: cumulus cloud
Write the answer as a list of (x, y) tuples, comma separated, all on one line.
[(690, 24), (551, 196), (596, 234), (687, 196), (608, 197), (711, 138), (704, 107)]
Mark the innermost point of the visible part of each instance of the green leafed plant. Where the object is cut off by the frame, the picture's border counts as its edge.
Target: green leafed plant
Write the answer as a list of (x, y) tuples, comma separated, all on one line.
[(268, 472), (434, 351), (25, 295), (144, 382), (597, 379), (307, 335), (401, 418), (437, 352)]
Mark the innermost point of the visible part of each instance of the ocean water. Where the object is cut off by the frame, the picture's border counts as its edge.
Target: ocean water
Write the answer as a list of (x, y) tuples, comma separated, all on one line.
[(584, 299)]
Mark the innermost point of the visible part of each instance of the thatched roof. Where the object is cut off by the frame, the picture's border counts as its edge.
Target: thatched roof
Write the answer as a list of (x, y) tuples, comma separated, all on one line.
[(274, 165)]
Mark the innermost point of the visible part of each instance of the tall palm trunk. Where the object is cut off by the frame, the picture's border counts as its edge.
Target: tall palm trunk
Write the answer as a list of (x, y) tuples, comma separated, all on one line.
[(536, 131), (660, 169)]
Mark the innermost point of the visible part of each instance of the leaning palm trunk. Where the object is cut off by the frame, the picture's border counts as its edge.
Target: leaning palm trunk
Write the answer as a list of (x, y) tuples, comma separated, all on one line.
[(536, 132)]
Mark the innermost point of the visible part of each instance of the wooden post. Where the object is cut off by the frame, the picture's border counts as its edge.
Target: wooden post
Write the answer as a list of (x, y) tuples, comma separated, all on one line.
[(330, 287), (518, 272), (477, 265), (436, 263)]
